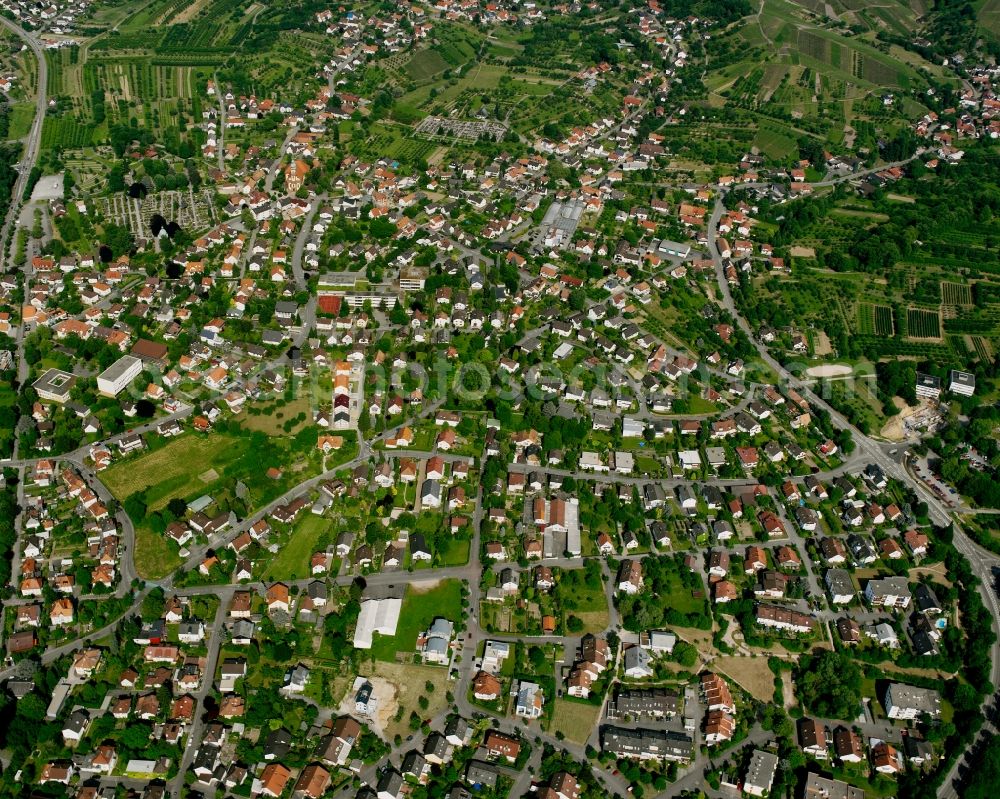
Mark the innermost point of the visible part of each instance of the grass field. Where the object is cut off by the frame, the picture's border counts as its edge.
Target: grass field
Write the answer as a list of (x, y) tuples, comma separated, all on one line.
[(752, 674), (477, 77), (454, 553), (421, 605), (292, 560), (574, 719), (154, 556), (273, 416), (588, 603), (169, 470), (21, 116), (425, 64), (681, 598), (194, 464), (776, 141)]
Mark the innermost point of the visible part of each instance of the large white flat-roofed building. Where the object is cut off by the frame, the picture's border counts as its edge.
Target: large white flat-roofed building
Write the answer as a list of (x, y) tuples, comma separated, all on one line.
[(116, 377), (904, 701), (356, 290), (413, 278), (962, 383), (54, 385), (760, 773), (377, 616), (928, 386), (674, 249)]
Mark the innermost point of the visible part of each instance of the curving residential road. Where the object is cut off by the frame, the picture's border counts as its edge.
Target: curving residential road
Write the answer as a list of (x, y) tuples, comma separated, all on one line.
[(33, 142)]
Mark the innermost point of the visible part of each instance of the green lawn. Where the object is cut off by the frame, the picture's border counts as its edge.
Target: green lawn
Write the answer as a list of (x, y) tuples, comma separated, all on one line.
[(154, 556), (454, 553), (680, 598), (583, 599), (575, 593), (575, 719), (292, 560), (420, 608), (21, 116)]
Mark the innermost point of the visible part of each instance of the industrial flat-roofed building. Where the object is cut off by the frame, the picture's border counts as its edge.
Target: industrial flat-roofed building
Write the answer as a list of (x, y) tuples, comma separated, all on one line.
[(674, 249), (116, 377)]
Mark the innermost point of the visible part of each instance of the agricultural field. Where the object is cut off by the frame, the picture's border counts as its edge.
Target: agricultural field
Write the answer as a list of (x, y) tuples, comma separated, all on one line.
[(956, 293), (393, 141), (66, 132), (95, 88), (791, 65), (425, 64), (875, 319), (923, 323), (776, 141), (153, 61), (989, 16)]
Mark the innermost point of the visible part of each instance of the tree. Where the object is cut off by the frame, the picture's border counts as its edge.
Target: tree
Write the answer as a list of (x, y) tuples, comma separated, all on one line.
[(154, 604), (135, 737), (135, 505), (31, 708), (829, 685), (177, 507), (685, 654), (118, 238)]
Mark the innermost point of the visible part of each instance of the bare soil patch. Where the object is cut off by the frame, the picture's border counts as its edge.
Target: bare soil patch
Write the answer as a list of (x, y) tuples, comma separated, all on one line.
[(751, 674)]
